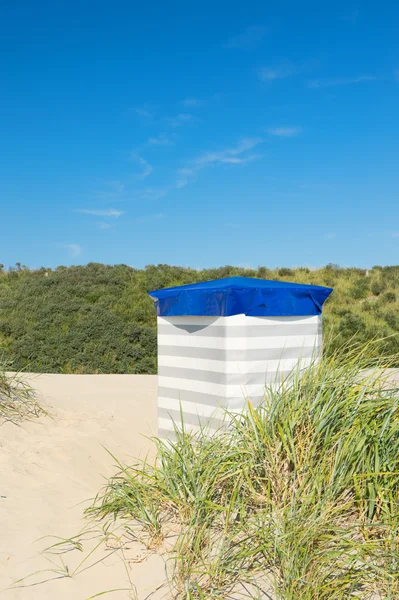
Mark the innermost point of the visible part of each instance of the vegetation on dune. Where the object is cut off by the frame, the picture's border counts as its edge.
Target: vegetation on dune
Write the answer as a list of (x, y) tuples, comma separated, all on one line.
[(299, 498), (17, 398), (99, 318)]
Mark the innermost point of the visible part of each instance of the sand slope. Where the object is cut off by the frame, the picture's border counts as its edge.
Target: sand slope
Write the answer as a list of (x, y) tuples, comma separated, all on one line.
[(50, 466)]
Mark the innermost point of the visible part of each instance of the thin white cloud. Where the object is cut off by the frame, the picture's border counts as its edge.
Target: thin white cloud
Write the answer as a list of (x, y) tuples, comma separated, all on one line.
[(184, 176), (145, 113), (103, 225), (73, 249), (324, 83), (180, 119), (148, 218), (280, 71), (146, 168), (250, 38), (160, 140), (195, 102), (330, 236), (115, 185), (236, 155), (108, 212), (152, 193), (113, 189), (285, 131), (229, 154), (284, 69), (395, 234)]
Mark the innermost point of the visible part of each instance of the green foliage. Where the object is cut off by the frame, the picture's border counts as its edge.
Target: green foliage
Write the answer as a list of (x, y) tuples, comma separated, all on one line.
[(359, 288), (99, 319), (377, 286), (390, 297), (284, 272)]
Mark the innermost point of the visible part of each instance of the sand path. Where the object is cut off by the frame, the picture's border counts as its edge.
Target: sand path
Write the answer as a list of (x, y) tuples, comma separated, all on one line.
[(50, 467)]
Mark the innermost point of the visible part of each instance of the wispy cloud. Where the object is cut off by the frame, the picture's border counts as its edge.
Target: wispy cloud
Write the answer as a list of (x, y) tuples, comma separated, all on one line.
[(146, 168), (183, 177), (330, 236), (285, 131), (148, 218), (236, 155), (195, 102), (145, 113), (112, 189), (229, 155), (103, 225), (160, 140), (284, 69), (108, 212), (324, 83), (115, 185), (73, 249), (179, 120), (153, 193), (250, 38), (395, 234), (280, 71)]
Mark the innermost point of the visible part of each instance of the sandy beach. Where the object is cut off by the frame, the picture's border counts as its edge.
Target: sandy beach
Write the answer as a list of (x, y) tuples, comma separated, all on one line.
[(50, 470), (51, 467)]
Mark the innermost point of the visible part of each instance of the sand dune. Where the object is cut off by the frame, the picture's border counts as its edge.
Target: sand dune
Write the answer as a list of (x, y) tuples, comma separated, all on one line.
[(51, 467)]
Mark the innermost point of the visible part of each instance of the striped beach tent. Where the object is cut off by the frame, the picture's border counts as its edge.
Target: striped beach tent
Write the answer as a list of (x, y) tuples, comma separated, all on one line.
[(221, 342)]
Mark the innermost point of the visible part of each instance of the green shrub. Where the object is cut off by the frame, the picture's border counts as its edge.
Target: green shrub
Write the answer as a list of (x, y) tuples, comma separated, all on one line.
[(284, 272), (370, 306), (352, 324), (377, 286), (360, 288), (389, 297), (264, 273), (392, 318)]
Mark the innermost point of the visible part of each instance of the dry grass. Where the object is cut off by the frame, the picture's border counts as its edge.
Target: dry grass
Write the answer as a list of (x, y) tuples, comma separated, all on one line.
[(299, 499), (18, 399)]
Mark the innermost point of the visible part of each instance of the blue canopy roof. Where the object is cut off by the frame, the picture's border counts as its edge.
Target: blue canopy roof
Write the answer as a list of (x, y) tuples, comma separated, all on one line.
[(241, 295)]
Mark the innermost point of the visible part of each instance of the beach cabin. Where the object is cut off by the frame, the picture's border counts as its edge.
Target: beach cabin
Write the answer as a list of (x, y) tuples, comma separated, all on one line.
[(221, 342)]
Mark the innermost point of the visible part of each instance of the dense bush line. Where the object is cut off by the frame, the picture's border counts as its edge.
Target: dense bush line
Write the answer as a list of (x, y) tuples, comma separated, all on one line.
[(99, 318)]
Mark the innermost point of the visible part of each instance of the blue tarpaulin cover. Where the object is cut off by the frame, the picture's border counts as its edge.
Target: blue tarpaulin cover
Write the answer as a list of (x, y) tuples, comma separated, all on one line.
[(241, 295)]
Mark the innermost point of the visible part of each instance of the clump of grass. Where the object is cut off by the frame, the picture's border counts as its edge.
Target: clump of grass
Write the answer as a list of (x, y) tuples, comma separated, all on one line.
[(298, 499), (18, 399)]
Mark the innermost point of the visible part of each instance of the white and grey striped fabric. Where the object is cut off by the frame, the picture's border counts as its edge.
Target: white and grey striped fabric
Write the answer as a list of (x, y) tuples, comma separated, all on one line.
[(206, 364)]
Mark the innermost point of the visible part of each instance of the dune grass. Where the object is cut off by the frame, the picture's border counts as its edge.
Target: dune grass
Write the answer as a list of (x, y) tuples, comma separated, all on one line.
[(18, 399), (298, 499)]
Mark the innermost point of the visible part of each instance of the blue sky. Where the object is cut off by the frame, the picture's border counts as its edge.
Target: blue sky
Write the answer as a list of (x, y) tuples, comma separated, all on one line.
[(200, 134)]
